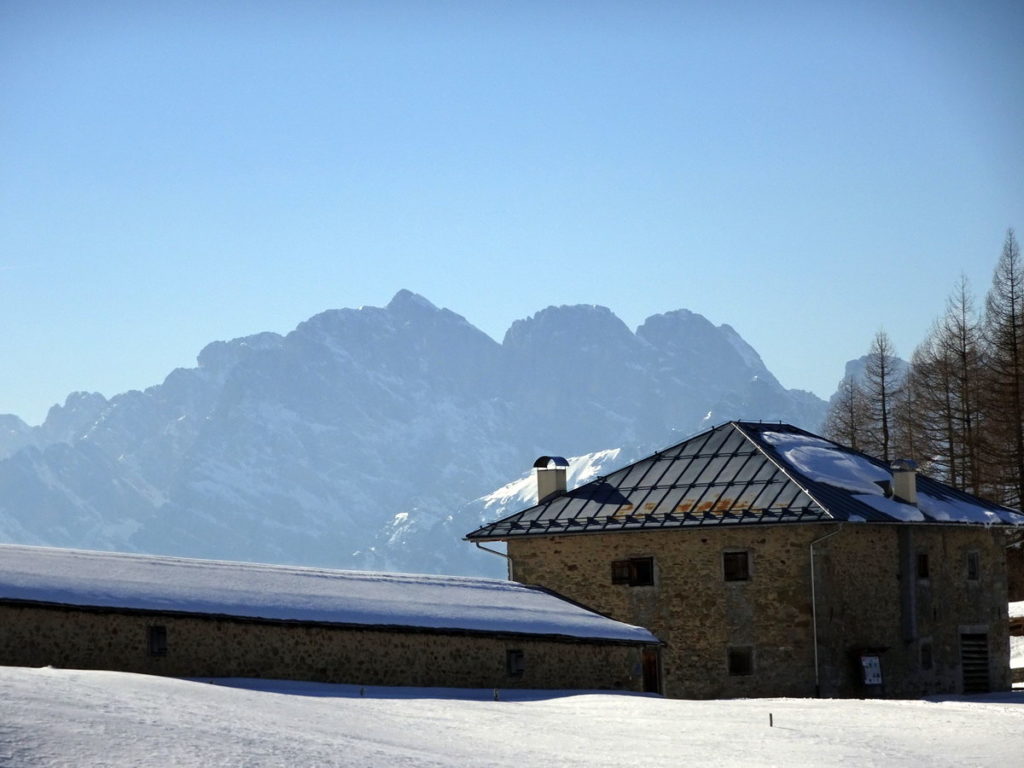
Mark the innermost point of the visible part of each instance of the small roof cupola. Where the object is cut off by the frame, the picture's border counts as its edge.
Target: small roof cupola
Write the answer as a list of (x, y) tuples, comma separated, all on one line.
[(550, 471), (904, 480)]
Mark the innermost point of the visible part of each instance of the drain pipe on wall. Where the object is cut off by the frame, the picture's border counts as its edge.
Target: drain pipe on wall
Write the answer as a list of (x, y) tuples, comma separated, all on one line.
[(814, 611), (508, 560)]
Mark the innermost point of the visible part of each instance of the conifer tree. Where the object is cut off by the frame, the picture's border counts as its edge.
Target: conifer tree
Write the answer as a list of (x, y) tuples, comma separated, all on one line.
[(946, 373), (961, 347), (1004, 374), (909, 440), (882, 387), (847, 418)]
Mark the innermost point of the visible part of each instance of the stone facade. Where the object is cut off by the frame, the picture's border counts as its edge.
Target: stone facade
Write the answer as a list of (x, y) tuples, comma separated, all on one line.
[(202, 646), (869, 598), (1015, 572)]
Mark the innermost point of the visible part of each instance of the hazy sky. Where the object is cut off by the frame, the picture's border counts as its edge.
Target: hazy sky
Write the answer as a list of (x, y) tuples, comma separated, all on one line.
[(173, 173)]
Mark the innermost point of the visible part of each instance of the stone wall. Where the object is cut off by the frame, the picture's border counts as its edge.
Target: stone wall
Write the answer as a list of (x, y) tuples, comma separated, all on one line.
[(701, 616), (871, 595), (1015, 572), (33, 635)]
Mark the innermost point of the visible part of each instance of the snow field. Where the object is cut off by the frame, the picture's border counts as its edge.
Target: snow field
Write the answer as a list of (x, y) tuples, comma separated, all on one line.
[(51, 717), (1016, 652)]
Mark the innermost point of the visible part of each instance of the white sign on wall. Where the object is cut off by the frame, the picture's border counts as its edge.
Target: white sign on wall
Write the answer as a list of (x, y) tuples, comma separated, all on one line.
[(872, 670)]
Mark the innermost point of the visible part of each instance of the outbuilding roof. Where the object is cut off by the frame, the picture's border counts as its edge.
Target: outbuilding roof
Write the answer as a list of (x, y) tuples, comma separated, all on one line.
[(107, 580), (742, 473)]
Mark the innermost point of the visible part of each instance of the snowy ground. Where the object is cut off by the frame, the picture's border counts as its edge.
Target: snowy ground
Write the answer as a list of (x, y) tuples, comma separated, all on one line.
[(52, 717)]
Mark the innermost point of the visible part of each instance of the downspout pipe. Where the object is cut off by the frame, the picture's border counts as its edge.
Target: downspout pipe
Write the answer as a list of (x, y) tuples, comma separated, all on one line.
[(814, 612), (508, 560)]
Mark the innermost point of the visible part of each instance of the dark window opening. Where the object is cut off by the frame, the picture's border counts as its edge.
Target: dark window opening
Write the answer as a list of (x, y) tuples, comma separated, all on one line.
[(926, 655), (741, 661), (973, 566), (157, 637), (974, 662), (922, 565), (736, 566), (636, 572), (515, 663)]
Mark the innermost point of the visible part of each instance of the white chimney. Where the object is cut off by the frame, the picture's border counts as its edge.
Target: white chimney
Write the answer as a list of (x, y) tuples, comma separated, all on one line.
[(550, 476), (904, 480)]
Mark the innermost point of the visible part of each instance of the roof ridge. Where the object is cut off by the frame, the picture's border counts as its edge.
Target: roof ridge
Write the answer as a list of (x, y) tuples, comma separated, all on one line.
[(783, 469)]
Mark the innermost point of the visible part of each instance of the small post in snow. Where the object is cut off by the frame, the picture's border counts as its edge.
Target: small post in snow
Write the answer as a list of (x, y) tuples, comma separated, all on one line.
[(771, 724)]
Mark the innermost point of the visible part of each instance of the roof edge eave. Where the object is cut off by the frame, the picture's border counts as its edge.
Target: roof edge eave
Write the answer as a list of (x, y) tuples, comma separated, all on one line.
[(339, 625)]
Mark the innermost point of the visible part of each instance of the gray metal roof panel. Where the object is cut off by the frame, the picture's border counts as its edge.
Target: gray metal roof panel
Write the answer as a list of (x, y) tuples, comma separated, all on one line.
[(741, 473)]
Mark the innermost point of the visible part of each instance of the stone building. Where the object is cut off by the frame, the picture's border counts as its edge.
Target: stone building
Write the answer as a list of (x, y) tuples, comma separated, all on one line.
[(773, 562), (194, 618), (1015, 571)]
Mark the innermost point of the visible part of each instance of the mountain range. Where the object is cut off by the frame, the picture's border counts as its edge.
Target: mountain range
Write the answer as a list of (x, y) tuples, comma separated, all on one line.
[(372, 437)]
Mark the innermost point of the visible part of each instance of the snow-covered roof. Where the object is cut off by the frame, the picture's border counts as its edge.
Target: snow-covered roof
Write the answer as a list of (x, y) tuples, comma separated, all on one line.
[(143, 582), (741, 473)]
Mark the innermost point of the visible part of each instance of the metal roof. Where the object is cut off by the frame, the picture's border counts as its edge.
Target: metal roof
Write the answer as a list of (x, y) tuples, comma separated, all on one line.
[(742, 473), (250, 591)]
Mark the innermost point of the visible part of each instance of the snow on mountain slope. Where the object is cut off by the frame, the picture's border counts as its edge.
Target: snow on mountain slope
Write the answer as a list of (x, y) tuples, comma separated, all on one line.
[(356, 440), (410, 529), (522, 493)]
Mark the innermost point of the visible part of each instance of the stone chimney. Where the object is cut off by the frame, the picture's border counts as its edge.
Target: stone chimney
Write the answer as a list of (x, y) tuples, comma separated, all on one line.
[(550, 476), (904, 480)]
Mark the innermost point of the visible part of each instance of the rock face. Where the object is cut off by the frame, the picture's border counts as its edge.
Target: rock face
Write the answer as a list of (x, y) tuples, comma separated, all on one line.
[(356, 440)]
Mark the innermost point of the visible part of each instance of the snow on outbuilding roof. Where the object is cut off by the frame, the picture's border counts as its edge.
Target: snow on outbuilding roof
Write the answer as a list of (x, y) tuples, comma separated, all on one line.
[(283, 593), (742, 473)]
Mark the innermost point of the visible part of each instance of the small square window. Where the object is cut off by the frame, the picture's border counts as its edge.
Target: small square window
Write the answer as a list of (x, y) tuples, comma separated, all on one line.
[(515, 663), (157, 640), (922, 565), (736, 566), (741, 662), (643, 571), (973, 566), (636, 572)]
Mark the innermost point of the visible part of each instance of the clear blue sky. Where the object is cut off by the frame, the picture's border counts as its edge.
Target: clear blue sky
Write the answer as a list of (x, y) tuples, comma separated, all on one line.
[(175, 173)]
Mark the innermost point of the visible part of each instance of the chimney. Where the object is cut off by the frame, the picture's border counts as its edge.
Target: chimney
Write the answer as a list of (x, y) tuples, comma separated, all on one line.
[(550, 476), (904, 480)]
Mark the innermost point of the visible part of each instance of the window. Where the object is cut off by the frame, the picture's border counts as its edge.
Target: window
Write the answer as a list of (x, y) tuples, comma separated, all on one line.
[(157, 638), (926, 654), (741, 662), (636, 572), (973, 566), (736, 566), (922, 565), (515, 663)]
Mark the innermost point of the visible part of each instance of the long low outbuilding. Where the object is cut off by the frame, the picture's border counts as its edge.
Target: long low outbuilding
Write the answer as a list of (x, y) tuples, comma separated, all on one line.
[(197, 618)]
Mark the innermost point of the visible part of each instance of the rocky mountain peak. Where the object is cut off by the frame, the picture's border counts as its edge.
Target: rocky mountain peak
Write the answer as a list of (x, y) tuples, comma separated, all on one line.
[(407, 303), (220, 356), (351, 441), (681, 336), (574, 326), (65, 423)]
